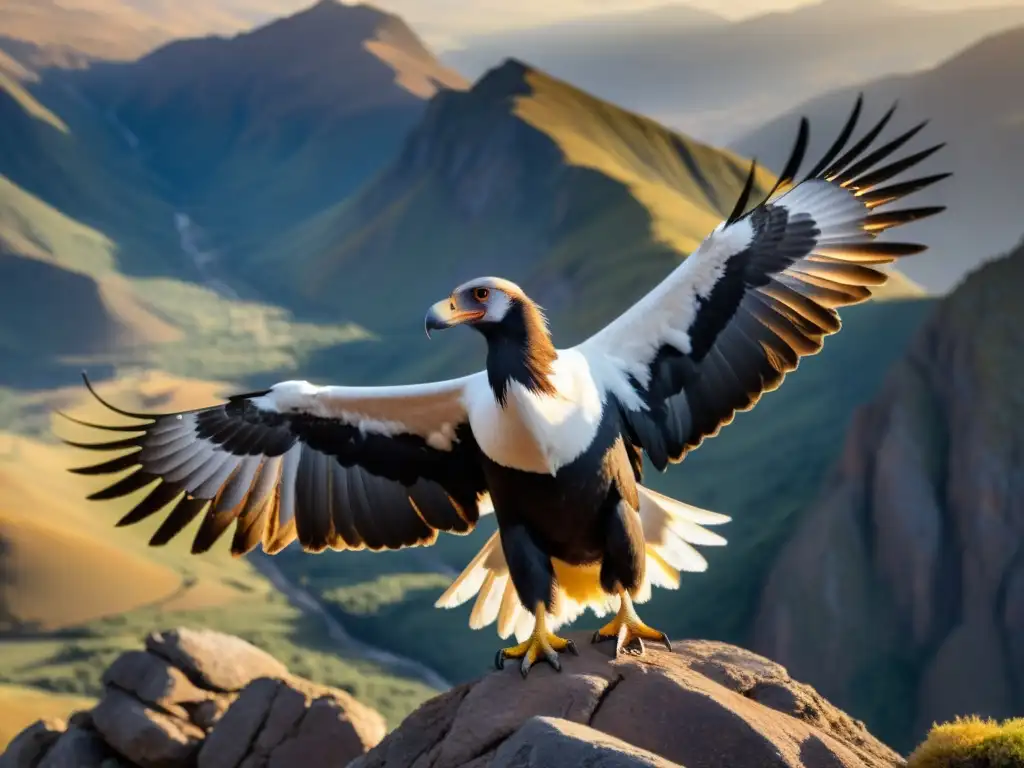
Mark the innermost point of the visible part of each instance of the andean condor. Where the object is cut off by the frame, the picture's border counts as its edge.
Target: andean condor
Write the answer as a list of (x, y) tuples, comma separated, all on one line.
[(551, 440)]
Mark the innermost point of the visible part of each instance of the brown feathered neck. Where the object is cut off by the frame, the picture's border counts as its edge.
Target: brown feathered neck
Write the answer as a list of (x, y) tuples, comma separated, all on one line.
[(519, 349)]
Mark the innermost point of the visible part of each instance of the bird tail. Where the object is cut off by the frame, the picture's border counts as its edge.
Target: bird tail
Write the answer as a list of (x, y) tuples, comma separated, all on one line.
[(671, 529)]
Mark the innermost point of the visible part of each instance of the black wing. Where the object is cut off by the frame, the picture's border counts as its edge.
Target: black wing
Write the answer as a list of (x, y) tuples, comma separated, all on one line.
[(335, 467), (758, 294)]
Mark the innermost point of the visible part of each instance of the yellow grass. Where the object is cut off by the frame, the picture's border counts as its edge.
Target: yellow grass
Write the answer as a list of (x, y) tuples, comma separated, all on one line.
[(20, 707), (597, 135), (10, 84), (67, 562), (139, 325), (972, 742)]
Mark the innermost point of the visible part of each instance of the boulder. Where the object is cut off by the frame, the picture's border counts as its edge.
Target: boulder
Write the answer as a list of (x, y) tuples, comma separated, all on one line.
[(291, 722), (146, 736), (200, 698), (704, 705), (28, 747), (213, 660)]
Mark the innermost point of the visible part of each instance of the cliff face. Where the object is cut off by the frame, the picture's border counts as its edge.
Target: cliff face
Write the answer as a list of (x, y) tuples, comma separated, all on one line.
[(901, 595)]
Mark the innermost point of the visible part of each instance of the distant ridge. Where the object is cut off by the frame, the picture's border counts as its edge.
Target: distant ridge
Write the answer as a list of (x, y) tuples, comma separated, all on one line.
[(973, 101)]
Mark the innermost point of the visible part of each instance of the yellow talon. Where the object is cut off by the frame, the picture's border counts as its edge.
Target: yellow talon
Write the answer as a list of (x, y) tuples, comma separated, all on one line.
[(627, 627), (540, 645)]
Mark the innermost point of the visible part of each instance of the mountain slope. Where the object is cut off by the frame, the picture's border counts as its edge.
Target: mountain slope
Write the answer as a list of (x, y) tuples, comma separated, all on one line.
[(718, 82), (901, 593), (523, 176), (973, 102), (292, 115)]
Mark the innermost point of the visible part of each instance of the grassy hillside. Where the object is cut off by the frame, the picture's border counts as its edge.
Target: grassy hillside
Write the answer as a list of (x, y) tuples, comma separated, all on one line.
[(973, 101), (92, 269)]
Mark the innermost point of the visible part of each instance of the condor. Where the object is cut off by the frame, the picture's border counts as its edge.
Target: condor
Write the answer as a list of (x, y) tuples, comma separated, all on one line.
[(552, 441)]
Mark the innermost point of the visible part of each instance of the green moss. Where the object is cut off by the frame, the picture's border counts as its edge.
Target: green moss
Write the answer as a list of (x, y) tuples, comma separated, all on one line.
[(972, 742)]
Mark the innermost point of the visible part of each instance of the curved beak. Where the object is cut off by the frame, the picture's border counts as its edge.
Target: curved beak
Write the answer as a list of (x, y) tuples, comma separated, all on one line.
[(445, 314)]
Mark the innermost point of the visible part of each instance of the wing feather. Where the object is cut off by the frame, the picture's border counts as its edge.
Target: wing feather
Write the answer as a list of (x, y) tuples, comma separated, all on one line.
[(761, 292), (334, 467)]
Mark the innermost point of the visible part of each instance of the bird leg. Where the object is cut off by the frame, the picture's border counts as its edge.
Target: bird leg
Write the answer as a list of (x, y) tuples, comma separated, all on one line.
[(627, 627), (541, 644)]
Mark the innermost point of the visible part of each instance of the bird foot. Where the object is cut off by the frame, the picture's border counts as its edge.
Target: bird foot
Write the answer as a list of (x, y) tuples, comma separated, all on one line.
[(629, 632), (540, 645)]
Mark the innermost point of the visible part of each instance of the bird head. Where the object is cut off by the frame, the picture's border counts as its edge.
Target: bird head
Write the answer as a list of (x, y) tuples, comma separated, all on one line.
[(484, 303)]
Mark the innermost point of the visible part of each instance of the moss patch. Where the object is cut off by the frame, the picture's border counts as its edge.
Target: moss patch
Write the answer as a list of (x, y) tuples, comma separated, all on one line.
[(971, 742)]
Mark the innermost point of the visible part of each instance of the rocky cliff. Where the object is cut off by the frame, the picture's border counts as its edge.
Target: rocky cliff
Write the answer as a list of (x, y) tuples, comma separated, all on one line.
[(206, 700), (901, 595)]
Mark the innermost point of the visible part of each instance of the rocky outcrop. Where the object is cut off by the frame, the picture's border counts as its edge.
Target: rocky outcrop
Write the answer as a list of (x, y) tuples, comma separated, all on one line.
[(206, 700), (203, 699), (901, 595), (705, 705)]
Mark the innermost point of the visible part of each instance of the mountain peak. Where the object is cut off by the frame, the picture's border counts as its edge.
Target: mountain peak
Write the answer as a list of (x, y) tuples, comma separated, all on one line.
[(506, 79)]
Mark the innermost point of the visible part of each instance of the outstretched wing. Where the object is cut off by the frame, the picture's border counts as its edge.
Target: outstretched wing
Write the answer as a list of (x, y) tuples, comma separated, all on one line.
[(759, 293), (338, 467)]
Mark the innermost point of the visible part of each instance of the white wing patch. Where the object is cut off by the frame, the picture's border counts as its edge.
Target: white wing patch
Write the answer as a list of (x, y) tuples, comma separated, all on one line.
[(665, 313), (432, 411)]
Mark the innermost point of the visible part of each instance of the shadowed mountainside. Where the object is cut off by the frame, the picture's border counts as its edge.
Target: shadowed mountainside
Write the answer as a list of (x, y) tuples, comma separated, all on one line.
[(973, 102), (295, 114), (901, 592)]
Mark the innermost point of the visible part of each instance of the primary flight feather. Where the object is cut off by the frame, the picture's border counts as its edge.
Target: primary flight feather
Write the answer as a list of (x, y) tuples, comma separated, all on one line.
[(550, 440)]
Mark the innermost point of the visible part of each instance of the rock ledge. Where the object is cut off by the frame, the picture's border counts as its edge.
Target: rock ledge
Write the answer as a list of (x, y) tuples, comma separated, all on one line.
[(704, 705)]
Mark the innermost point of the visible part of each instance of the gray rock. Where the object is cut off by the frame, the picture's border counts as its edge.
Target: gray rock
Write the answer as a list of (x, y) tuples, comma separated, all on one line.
[(327, 736), (148, 738), (703, 704), (213, 660), (76, 748), (234, 734), (28, 747), (292, 722), (543, 742), (154, 681)]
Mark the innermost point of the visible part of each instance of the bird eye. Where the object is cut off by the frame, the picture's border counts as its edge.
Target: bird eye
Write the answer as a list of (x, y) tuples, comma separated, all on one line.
[(481, 294)]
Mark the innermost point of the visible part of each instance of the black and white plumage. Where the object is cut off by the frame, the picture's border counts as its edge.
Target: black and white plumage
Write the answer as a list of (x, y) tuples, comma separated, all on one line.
[(550, 440)]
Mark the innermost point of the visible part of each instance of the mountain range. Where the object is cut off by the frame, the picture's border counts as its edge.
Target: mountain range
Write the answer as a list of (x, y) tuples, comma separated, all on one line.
[(717, 80), (973, 102), (226, 212)]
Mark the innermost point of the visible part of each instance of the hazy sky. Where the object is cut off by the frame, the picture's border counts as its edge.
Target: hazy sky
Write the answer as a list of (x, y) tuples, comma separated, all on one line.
[(443, 22)]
